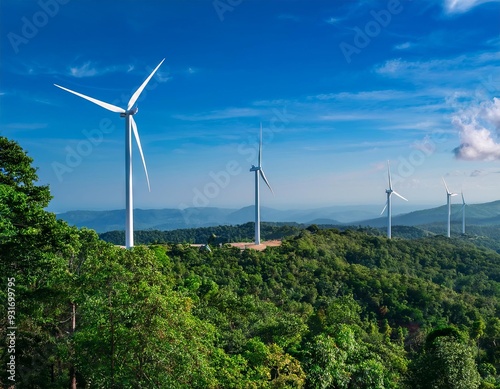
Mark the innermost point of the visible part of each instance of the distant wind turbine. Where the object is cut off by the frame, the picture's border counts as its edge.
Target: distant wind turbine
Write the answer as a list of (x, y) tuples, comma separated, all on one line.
[(388, 204), (463, 213), (130, 126), (259, 172), (448, 203)]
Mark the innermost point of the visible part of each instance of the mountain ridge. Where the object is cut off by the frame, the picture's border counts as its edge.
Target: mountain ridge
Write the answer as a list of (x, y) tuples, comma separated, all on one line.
[(174, 218)]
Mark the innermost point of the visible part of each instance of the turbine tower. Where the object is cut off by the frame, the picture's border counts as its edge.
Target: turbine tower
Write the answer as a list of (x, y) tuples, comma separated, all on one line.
[(463, 213), (388, 204), (130, 126), (259, 172), (448, 203)]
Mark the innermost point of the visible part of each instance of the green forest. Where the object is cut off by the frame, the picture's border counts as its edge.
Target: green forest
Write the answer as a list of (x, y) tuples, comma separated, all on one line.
[(481, 236), (329, 308)]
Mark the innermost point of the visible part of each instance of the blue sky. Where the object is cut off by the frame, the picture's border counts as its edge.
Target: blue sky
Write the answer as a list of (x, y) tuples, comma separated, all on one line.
[(340, 87)]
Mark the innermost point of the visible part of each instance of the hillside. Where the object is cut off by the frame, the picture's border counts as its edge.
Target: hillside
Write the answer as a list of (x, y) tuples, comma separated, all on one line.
[(327, 308), (477, 214), (172, 219)]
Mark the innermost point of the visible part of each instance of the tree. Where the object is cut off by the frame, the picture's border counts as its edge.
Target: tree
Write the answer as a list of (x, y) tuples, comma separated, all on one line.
[(34, 251), (447, 362), (134, 330)]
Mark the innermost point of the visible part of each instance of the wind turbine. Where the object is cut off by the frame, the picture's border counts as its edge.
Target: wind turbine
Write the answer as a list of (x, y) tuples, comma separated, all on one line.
[(259, 172), (130, 126), (448, 203), (388, 205), (463, 212)]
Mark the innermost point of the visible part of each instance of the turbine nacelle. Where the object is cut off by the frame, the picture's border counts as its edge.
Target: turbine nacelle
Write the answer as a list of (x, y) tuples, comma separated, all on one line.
[(130, 112), (254, 168)]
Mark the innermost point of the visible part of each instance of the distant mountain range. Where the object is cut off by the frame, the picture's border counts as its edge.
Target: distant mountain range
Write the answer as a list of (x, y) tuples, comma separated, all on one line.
[(171, 219), (476, 214)]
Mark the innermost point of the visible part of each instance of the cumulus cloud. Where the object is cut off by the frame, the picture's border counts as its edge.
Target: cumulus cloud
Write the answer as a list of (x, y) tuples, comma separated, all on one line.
[(479, 131)]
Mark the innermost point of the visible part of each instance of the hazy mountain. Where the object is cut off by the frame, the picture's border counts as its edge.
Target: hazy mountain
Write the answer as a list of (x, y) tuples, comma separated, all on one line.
[(481, 214), (144, 219), (171, 218)]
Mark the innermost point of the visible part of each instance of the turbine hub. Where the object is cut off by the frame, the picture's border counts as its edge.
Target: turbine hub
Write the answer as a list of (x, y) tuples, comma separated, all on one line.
[(130, 112)]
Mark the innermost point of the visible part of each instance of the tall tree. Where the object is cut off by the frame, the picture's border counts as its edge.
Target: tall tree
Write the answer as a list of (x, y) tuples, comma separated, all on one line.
[(34, 251), (447, 362)]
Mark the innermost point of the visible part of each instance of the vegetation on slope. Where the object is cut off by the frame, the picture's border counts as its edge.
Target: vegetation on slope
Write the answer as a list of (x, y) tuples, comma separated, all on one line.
[(327, 309)]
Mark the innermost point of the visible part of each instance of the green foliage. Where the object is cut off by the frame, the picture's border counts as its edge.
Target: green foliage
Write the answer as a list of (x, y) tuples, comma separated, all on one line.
[(448, 364), (216, 235), (135, 331), (326, 309)]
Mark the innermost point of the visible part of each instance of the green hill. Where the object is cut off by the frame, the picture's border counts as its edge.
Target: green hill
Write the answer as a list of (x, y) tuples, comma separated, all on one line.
[(328, 308)]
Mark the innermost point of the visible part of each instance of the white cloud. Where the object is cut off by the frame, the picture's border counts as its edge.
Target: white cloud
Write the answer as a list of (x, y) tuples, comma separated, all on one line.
[(477, 141), (461, 6), (403, 46), (332, 20), (493, 114), (85, 70), (477, 71)]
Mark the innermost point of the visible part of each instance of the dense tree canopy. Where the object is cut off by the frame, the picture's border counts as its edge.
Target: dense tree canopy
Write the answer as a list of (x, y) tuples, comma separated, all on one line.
[(327, 309)]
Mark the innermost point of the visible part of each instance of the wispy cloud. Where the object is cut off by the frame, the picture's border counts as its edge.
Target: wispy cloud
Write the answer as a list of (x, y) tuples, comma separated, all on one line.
[(403, 46), (332, 20), (192, 70), (377, 95), (462, 6), (228, 113), (85, 70), (469, 68), (92, 69), (24, 126)]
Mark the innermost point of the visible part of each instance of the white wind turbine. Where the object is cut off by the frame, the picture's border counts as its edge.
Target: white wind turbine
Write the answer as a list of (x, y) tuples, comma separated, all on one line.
[(130, 126), (463, 212), (388, 204), (259, 172), (448, 203)]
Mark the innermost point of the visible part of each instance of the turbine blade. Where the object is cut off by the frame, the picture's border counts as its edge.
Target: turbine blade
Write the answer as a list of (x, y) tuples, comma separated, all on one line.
[(385, 206), (138, 140), (389, 174), (453, 194), (108, 106), (397, 194), (446, 186), (265, 180), (137, 93), (463, 201)]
